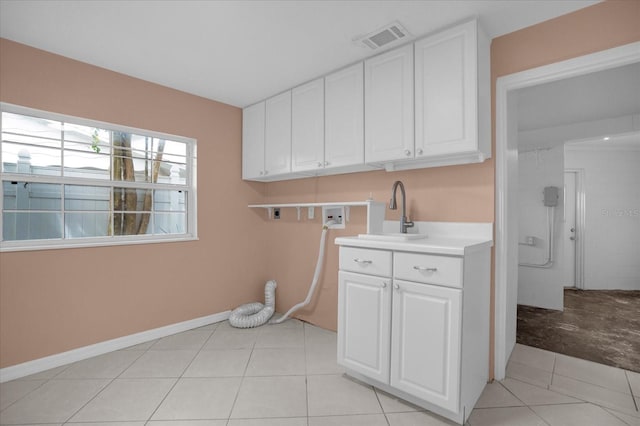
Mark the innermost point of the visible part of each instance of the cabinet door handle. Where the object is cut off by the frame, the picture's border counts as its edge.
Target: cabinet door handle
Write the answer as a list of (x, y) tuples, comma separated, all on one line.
[(319, 164), (384, 285), (407, 152), (362, 261), (420, 151), (396, 286), (425, 268)]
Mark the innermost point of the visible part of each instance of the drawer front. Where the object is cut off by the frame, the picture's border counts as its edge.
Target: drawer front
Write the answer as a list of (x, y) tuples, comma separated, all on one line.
[(365, 261), (426, 268)]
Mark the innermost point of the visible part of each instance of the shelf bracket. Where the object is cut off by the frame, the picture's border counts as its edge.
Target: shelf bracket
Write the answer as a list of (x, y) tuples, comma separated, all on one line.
[(347, 210), (270, 212), (298, 208), (311, 212)]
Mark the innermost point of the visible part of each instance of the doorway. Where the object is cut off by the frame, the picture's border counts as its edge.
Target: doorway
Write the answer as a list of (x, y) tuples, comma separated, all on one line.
[(506, 241), (569, 235), (574, 228)]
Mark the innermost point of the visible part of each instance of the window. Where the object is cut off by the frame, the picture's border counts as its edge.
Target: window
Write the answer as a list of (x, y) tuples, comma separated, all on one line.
[(68, 181)]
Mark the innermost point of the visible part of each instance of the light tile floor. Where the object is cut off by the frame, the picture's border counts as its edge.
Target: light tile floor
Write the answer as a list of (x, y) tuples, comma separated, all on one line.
[(286, 375)]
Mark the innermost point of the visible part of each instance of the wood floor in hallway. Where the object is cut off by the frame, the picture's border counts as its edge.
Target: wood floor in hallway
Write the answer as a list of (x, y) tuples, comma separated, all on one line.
[(597, 325)]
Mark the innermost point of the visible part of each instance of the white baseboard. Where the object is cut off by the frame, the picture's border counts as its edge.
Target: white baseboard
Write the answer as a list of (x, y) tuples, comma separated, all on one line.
[(42, 364)]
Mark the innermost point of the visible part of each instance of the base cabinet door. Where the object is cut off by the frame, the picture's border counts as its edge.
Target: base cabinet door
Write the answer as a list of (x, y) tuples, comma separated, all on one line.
[(426, 342), (364, 309)]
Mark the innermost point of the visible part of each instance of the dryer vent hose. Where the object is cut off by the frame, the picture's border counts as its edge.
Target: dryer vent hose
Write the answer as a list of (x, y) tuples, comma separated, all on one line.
[(255, 314), (316, 276)]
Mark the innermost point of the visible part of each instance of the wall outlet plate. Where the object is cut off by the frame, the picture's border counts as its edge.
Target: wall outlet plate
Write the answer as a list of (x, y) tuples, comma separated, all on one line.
[(334, 213)]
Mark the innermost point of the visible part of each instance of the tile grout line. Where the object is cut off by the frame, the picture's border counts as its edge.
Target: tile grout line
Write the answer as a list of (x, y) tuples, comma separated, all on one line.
[(553, 370), (538, 416), (633, 397), (44, 382), (381, 408), (244, 374), (513, 394), (306, 375), (105, 386), (179, 377)]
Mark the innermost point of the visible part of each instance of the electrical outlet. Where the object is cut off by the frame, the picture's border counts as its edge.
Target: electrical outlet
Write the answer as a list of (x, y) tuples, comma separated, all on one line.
[(276, 213), (530, 241)]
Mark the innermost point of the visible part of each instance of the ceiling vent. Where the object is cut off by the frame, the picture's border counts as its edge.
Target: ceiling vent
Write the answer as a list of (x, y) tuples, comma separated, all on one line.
[(388, 35)]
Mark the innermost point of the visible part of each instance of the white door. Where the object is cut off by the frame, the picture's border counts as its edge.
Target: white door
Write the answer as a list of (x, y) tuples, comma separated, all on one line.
[(277, 137), (388, 100), (253, 141), (307, 126), (426, 339), (570, 229), (446, 92), (364, 314), (344, 117)]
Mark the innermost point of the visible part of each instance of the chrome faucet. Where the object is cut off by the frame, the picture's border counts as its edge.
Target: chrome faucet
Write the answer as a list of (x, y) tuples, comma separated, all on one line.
[(393, 205)]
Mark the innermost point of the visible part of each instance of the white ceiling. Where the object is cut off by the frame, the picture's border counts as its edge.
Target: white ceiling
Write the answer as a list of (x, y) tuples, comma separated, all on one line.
[(596, 96), (239, 52)]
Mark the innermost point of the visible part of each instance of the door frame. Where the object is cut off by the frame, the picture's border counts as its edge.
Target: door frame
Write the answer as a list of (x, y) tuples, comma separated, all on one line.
[(580, 225), (505, 265)]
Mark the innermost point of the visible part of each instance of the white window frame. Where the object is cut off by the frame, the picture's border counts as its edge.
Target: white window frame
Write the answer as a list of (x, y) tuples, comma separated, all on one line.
[(44, 244)]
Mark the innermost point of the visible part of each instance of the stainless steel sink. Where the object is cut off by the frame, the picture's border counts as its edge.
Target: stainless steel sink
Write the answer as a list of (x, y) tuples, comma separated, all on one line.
[(392, 236)]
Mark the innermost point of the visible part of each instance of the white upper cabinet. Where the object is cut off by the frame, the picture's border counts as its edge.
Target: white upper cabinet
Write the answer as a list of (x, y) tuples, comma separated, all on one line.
[(307, 126), (277, 137), (344, 117), (452, 93), (388, 99), (253, 141), (424, 104)]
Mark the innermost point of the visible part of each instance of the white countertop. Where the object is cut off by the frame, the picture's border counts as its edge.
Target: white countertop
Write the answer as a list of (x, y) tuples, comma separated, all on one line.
[(453, 239), (435, 245)]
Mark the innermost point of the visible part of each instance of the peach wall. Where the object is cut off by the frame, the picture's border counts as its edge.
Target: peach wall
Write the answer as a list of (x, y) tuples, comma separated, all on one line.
[(52, 301), (56, 300), (460, 193), (599, 27), (455, 194)]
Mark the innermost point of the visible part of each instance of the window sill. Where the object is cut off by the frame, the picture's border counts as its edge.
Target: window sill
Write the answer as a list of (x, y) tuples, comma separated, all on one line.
[(12, 246)]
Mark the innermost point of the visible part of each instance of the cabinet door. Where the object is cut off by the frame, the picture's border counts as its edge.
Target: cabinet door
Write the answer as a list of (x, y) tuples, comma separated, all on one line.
[(364, 308), (344, 117), (307, 126), (388, 94), (253, 141), (277, 138), (425, 347), (446, 92)]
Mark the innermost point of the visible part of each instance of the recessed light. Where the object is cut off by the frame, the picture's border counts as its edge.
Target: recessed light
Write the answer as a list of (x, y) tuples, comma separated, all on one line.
[(606, 138)]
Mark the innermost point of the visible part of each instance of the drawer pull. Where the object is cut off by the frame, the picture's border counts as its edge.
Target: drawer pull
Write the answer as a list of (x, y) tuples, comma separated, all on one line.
[(362, 261), (424, 268)]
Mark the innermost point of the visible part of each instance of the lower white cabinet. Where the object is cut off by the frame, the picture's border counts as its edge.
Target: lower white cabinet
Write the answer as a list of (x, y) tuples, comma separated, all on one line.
[(425, 340), (365, 309)]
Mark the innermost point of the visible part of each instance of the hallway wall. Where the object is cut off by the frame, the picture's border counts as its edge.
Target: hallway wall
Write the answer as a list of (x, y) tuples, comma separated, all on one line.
[(612, 214), (541, 287)]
